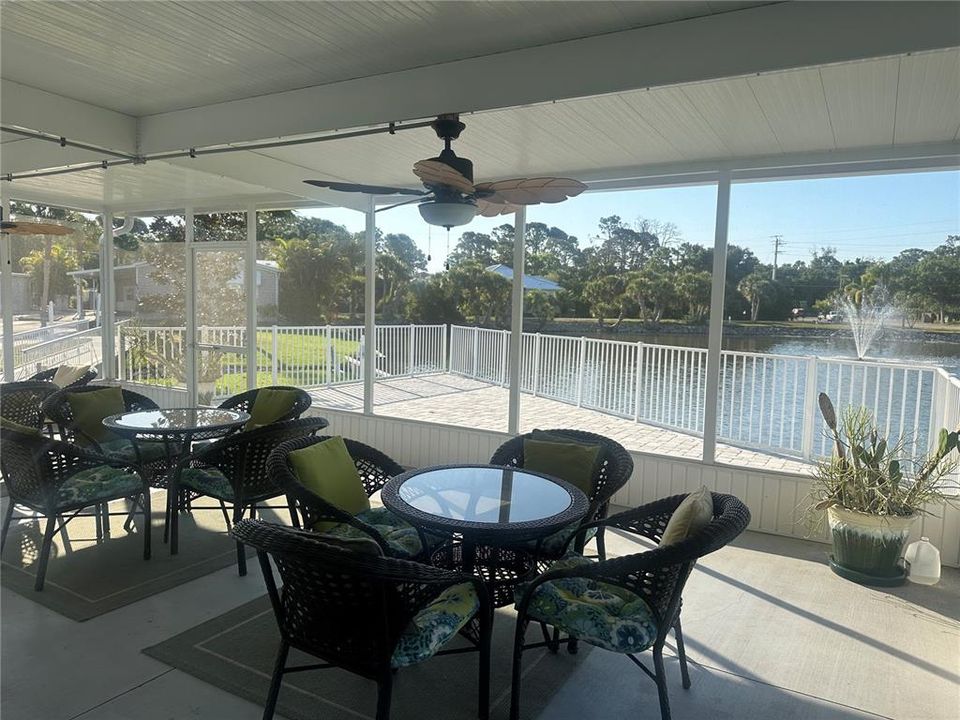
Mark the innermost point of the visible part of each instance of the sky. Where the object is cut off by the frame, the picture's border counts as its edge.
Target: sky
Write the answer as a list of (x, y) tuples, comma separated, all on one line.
[(872, 216)]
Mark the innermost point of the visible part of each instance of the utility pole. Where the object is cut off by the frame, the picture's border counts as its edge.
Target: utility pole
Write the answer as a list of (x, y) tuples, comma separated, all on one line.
[(777, 244)]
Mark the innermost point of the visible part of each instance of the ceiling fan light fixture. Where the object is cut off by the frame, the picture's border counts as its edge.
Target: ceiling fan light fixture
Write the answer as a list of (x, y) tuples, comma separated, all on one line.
[(447, 214)]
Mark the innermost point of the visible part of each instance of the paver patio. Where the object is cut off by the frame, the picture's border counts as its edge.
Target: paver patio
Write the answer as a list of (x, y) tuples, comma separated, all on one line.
[(454, 400)]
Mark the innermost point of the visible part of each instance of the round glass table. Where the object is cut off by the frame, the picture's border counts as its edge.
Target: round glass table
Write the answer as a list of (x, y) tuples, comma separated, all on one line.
[(490, 516), (185, 424)]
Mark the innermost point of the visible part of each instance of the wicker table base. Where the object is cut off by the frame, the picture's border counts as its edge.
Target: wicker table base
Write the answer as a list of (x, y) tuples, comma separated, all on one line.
[(501, 569)]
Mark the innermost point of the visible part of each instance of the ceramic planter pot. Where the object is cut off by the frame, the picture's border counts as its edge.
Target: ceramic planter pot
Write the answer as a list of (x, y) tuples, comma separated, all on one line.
[(867, 548)]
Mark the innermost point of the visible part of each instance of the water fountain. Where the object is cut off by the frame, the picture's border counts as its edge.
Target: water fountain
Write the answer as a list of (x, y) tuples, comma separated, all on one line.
[(866, 312)]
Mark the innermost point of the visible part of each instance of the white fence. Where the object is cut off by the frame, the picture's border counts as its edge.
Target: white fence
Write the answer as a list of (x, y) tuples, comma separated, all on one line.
[(767, 402), (308, 356)]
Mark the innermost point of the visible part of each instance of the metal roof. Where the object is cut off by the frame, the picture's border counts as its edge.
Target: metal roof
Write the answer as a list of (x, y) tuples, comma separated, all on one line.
[(530, 282)]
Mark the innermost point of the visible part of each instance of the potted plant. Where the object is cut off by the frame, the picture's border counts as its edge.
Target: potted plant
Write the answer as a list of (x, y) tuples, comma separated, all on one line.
[(873, 492)]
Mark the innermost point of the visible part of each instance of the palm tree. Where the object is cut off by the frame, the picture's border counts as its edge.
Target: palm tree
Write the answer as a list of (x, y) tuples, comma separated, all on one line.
[(754, 287)]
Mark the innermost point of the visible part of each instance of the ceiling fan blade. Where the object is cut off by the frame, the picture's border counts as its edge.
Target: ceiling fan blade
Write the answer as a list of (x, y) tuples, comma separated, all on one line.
[(489, 209), (368, 189), (434, 172), (400, 204), (530, 191), (22, 227)]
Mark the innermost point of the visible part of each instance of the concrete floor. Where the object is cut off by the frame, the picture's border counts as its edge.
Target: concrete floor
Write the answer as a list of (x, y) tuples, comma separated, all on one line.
[(453, 400), (772, 634)]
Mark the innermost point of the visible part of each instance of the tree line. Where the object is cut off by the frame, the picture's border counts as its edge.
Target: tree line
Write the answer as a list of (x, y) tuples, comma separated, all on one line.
[(643, 270)]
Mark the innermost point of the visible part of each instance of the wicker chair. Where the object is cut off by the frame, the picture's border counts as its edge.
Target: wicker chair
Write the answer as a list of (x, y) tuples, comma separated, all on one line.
[(58, 480), (351, 609), (652, 580), (153, 467), (614, 468), (234, 470), (375, 468), (245, 400), (21, 401), (48, 375)]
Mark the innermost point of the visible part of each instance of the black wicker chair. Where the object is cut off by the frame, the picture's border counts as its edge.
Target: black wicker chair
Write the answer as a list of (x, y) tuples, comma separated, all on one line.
[(245, 400), (59, 479), (656, 576), (350, 609), (614, 467), (21, 402), (57, 409), (234, 471), (48, 375), (374, 467)]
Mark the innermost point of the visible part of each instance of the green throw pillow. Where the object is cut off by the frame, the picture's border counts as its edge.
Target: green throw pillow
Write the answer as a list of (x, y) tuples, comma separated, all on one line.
[(562, 457), (690, 517), (8, 424), (90, 408), (327, 470), (269, 406)]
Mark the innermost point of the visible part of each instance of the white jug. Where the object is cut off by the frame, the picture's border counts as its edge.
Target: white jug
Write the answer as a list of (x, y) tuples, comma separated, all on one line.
[(924, 562)]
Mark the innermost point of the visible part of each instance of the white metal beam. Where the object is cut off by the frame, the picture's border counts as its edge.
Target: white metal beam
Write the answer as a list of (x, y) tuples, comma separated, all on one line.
[(250, 259), (759, 39), (190, 304), (6, 292), (370, 306), (516, 321), (108, 301), (27, 154), (715, 338), (32, 109)]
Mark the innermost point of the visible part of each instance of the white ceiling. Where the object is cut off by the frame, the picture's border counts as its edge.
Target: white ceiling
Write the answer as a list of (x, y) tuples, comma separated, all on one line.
[(107, 54), (215, 51), (882, 102)]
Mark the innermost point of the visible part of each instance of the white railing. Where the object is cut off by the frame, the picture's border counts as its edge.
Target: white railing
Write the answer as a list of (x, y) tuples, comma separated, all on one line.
[(305, 356), (765, 401)]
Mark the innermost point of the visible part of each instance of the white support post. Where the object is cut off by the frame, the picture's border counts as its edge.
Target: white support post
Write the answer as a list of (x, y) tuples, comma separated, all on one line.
[(536, 363), (581, 357), (638, 380), (516, 322), (190, 304), (476, 350), (412, 355), (251, 285), (328, 354), (6, 294), (715, 339), (369, 308), (274, 352), (809, 408), (109, 295), (445, 349)]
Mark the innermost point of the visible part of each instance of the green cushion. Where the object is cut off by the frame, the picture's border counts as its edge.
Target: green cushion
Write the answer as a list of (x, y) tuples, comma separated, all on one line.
[(207, 481), (327, 470), (563, 458), (98, 484), (402, 538), (690, 517), (269, 406), (556, 544), (436, 624), (360, 544), (90, 408), (122, 449), (596, 612), (8, 424)]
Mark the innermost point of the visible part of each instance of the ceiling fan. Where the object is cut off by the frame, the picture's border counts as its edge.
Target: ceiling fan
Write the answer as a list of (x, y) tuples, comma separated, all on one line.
[(451, 197), (28, 227)]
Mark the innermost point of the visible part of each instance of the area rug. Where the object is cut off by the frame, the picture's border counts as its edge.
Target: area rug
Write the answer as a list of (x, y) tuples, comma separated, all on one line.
[(236, 652), (86, 578)]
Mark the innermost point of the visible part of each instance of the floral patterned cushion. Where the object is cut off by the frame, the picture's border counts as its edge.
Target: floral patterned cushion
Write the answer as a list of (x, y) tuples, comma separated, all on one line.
[(435, 624), (554, 545), (402, 537), (96, 484), (207, 481), (596, 612), (123, 449)]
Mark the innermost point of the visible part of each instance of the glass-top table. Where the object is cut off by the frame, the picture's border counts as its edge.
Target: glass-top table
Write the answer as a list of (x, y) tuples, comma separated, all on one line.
[(209, 422), (490, 516)]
